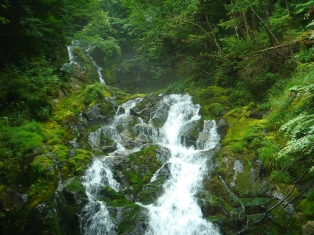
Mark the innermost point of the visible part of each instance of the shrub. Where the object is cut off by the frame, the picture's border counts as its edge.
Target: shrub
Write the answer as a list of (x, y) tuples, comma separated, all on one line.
[(27, 89), (93, 93), (267, 153)]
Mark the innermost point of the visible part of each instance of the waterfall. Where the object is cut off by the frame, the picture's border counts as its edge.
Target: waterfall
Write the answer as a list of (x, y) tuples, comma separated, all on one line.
[(176, 212), (87, 50), (99, 69), (71, 56), (95, 218)]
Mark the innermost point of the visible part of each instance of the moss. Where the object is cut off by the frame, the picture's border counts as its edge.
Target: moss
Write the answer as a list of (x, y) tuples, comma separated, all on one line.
[(11, 170), (90, 71), (143, 165), (67, 107), (93, 94), (240, 125), (113, 198), (76, 186), (79, 161), (307, 208), (42, 167), (213, 100), (53, 133), (43, 180), (130, 219)]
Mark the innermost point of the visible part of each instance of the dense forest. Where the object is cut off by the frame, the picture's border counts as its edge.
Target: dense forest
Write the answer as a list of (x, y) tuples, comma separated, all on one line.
[(249, 64)]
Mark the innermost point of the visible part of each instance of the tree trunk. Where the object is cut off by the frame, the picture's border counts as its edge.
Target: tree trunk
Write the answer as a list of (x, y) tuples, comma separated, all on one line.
[(289, 13), (246, 24), (272, 37), (212, 34)]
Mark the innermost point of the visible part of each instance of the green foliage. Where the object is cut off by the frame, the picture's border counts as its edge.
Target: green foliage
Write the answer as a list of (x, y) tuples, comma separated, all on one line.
[(238, 147), (42, 167), (40, 27), (283, 177), (93, 93), (79, 161), (280, 106), (17, 141), (300, 131), (240, 94), (305, 56), (307, 207), (267, 153), (280, 20), (98, 34), (27, 89)]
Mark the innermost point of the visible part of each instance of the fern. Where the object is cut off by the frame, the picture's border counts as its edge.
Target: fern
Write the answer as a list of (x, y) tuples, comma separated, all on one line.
[(300, 132)]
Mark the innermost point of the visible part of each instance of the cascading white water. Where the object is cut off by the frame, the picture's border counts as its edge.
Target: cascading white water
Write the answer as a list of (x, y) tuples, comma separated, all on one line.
[(176, 212), (95, 218), (87, 50), (71, 56), (99, 69)]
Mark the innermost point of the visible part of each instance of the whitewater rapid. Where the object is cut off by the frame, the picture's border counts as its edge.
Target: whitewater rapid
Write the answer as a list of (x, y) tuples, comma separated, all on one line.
[(176, 211)]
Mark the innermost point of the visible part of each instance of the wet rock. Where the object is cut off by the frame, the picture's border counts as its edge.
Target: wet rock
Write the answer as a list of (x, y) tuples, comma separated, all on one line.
[(70, 202), (189, 133), (222, 127), (41, 219), (109, 148), (96, 116), (131, 220), (94, 138), (145, 133), (11, 199), (153, 108)]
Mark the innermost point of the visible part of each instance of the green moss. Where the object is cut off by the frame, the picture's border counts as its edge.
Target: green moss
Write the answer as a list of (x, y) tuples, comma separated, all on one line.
[(130, 220), (43, 179), (42, 167), (212, 94), (307, 208), (240, 126), (53, 133), (76, 186), (213, 101), (68, 107), (79, 161), (113, 198), (11, 169), (143, 165), (18, 141), (93, 94), (84, 61)]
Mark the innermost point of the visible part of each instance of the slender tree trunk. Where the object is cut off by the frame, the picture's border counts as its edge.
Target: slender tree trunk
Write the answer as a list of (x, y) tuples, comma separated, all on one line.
[(273, 38), (289, 13), (246, 24), (273, 42), (212, 34)]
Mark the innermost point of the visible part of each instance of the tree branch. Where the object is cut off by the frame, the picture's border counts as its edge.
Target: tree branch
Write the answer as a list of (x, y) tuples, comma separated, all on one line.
[(283, 199), (265, 25)]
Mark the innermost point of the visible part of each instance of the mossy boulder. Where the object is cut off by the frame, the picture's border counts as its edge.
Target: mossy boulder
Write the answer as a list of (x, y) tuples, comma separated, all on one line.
[(189, 133), (214, 102), (70, 202), (152, 108)]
